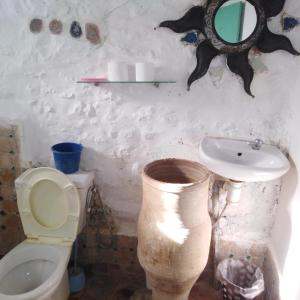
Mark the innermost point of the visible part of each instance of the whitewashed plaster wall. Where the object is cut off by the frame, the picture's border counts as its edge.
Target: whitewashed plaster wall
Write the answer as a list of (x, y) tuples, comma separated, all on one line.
[(285, 243), (124, 127)]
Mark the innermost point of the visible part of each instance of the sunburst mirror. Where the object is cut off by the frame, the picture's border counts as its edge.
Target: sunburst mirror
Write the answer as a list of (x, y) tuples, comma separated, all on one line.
[(232, 27)]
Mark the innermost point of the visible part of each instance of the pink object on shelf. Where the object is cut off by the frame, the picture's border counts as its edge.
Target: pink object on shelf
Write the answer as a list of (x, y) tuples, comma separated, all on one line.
[(94, 79)]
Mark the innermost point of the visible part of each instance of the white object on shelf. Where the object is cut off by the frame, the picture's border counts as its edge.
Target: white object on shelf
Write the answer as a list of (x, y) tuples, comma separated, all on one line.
[(144, 71), (117, 71)]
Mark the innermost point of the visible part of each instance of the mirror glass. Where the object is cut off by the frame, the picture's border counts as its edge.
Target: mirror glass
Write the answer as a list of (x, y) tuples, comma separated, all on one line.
[(235, 21)]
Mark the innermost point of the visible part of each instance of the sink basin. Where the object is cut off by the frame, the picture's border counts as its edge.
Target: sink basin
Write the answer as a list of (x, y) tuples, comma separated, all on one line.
[(237, 160)]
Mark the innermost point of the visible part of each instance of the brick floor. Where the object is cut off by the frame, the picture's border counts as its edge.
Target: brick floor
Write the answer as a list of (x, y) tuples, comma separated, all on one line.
[(105, 287)]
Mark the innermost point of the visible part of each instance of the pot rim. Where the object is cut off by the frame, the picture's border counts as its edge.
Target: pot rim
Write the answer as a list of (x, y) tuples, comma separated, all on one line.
[(156, 182)]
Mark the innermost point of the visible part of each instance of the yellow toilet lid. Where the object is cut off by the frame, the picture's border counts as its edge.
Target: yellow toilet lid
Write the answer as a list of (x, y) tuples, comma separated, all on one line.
[(49, 205)]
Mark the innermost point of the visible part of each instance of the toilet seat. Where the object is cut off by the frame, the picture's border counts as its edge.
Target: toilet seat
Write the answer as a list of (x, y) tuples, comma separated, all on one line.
[(36, 268), (49, 206)]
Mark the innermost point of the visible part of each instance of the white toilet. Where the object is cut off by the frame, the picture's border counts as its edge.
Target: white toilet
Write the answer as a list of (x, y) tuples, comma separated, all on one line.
[(52, 210)]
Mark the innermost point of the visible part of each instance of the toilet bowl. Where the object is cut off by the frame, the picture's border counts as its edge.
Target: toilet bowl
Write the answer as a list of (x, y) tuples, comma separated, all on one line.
[(34, 271), (52, 209)]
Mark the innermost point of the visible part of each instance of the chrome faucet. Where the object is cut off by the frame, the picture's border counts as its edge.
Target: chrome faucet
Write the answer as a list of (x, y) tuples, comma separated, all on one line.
[(256, 144)]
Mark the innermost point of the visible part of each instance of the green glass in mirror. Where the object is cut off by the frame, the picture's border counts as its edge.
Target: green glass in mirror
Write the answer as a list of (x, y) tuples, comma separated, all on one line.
[(235, 21)]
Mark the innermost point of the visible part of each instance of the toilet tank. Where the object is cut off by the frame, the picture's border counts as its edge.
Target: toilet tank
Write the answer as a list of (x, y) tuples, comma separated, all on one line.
[(83, 181)]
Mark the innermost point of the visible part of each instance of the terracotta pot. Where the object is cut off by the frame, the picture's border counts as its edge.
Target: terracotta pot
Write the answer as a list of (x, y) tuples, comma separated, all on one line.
[(174, 227)]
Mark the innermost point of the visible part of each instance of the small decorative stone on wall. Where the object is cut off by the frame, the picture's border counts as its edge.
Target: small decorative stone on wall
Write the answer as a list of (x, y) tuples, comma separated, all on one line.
[(92, 32), (11, 232), (56, 26), (36, 25), (75, 30)]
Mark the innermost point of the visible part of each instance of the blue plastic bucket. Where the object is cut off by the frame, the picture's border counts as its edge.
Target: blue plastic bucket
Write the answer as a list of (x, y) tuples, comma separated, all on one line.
[(67, 157)]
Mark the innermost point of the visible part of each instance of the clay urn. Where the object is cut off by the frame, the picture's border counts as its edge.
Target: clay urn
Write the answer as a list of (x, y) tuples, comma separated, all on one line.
[(174, 227)]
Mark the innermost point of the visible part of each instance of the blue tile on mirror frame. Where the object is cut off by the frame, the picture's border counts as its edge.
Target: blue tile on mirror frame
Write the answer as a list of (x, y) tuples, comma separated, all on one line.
[(191, 38), (289, 22)]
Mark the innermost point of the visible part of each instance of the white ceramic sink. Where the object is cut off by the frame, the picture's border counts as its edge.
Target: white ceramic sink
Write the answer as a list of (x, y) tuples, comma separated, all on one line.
[(238, 160)]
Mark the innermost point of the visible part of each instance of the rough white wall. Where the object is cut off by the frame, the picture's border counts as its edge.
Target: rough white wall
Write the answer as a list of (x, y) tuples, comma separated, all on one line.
[(125, 126), (285, 243)]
